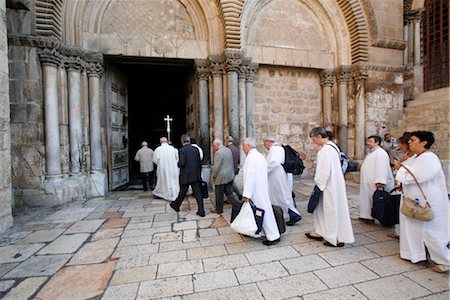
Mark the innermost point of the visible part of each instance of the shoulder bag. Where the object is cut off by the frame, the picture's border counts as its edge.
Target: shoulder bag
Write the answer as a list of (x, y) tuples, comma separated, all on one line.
[(411, 207)]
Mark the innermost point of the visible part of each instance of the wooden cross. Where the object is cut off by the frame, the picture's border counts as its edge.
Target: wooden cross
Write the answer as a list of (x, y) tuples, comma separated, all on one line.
[(168, 119)]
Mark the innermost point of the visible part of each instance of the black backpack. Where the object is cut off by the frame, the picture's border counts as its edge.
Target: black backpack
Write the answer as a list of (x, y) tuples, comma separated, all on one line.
[(292, 161)]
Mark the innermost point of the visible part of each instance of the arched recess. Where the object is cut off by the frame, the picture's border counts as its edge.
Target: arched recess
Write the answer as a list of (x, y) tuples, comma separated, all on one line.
[(85, 26), (230, 13)]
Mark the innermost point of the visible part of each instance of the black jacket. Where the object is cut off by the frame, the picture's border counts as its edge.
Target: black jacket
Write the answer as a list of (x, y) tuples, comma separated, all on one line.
[(189, 164)]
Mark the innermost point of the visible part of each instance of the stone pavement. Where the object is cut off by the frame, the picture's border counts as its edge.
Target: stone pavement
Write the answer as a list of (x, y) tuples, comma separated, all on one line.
[(131, 246)]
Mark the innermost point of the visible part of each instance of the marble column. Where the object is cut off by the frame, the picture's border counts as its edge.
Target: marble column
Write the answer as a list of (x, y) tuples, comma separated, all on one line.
[(94, 74), (342, 77), (242, 98), (86, 157), (75, 122), (217, 72), (405, 38), (203, 76), (233, 61), (50, 61), (326, 82), (360, 76), (417, 40), (249, 98)]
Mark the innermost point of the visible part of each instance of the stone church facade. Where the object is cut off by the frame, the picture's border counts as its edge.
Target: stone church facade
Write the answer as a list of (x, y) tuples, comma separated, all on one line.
[(259, 67)]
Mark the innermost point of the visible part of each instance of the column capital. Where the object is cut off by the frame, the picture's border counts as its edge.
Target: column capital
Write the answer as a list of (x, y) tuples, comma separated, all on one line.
[(233, 59), (73, 63), (360, 72), (94, 69), (242, 72), (326, 78), (343, 74), (216, 62), (50, 56), (251, 71), (202, 69)]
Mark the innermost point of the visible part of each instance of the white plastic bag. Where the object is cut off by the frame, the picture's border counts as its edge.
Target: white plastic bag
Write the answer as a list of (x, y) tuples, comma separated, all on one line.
[(244, 222)]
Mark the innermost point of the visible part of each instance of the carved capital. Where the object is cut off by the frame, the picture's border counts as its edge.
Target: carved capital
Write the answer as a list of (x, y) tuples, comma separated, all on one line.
[(73, 63), (94, 69), (242, 72), (216, 62), (202, 69), (233, 59), (343, 74), (326, 78), (360, 72), (251, 72), (50, 56)]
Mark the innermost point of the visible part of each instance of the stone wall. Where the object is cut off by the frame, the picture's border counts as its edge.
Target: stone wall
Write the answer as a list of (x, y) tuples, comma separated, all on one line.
[(5, 135)]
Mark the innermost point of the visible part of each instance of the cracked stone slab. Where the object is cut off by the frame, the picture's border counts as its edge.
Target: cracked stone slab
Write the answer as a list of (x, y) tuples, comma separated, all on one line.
[(65, 244), (41, 236), (106, 234), (84, 226), (18, 253), (42, 265), (26, 288), (94, 252), (225, 262)]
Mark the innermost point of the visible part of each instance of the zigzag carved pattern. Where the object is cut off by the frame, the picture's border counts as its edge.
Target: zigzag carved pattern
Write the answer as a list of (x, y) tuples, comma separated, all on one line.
[(230, 12)]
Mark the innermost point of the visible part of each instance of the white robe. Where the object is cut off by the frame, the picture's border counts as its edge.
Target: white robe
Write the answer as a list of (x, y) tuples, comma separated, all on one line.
[(331, 216), (256, 188), (167, 172), (374, 169), (280, 189), (415, 235)]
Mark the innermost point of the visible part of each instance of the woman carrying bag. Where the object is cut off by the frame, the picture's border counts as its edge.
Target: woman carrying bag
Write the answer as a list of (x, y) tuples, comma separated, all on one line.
[(416, 235)]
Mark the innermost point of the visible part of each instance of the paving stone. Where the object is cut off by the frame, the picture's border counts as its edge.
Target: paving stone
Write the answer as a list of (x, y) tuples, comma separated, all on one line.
[(42, 265), (94, 252), (208, 232), (134, 256), (246, 246), (143, 219), (6, 285), (26, 288), (185, 225), (115, 223), (180, 268), (70, 214), (435, 282), (131, 275), (392, 287), (177, 245), (84, 226), (260, 272), (293, 238), (273, 254), (345, 275), (312, 248), (78, 282), (106, 234), (214, 280), (112, 215), (167, 287), (346, 292), (190, 235), (225, 262), (379, 235), (347, 255), (221, 239), (18, 253), (304, 264), (167, 237), (129, 233), (121, 292), (225, 230), (390, 265), (65, 244), (438, 296), (385, 248), (133, 241), (362, 239), (205, 223), (291, 286), (205, 252), (5, 268), (166, 257), (41, 236)]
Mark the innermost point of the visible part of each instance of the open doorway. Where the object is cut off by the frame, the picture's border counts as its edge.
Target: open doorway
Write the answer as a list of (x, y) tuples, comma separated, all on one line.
[(156, 88)]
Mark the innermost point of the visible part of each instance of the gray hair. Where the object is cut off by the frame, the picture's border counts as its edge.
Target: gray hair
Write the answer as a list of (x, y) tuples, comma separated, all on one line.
[(218, 142), (318, 131), (269, 138), (185, 138), (250, 141), (163, 140), (144, 143)]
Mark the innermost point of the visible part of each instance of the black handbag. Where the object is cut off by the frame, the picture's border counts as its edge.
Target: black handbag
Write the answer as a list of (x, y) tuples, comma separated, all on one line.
[(259, 216), (385, 207), (204, 189), (316, 195)]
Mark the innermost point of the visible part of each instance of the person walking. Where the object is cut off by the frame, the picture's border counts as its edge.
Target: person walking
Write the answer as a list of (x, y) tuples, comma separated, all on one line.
[(222, 173), (256, 188), (145, 158), (375, 174), (166, 158), (236, 162), (190, 175), (331, 216)]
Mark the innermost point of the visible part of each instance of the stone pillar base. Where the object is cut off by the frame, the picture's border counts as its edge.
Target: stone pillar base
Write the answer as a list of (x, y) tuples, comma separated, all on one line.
[(98, 184)]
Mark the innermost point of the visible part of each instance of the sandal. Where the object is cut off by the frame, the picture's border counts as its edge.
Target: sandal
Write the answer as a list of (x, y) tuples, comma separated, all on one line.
[(440, 269), (314, 237), (331, 245)]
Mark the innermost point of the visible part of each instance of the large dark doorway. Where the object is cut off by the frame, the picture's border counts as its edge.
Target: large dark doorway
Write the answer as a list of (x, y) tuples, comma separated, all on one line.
[(156, 88)]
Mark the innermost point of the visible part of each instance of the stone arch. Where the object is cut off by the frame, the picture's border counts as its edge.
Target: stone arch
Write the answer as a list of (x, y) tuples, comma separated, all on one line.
[(230, 13), (84, 25)]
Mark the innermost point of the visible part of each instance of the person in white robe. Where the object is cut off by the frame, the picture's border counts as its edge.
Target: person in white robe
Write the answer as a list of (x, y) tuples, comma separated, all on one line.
[(280, 188), (331, 216), (165, 157), (375, 174), (256, 188), (416, 237)]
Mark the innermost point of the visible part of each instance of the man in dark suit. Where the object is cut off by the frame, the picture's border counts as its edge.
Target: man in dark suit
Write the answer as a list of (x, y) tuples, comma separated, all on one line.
[(190, 175)]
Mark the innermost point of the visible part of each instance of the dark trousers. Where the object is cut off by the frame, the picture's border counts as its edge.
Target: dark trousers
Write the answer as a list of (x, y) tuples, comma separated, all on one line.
[(227, 189), (196, 191), (147, 180)]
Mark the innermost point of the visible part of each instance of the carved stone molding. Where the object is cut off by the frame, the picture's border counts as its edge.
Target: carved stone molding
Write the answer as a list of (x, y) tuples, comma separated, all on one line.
[(73, 63), (343, 74), (233, 59), (390, 43), (326, 78), (217, 67), (360, 72), (50, 56), (94, 69), (202, 69), (251, 72), (383, 68), (242, 72)]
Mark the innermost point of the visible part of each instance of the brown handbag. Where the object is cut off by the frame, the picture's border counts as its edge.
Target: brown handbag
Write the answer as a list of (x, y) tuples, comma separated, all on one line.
[(412, 209)]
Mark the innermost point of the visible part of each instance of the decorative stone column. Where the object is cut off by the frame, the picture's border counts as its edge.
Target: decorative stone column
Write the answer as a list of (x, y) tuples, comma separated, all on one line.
[(242, 73), (249, 98), (326, 82), (233, 61), (203, 76), (416, 21), (360, 76), (342, 77), (50, 59), (75, 123), (217, 72)]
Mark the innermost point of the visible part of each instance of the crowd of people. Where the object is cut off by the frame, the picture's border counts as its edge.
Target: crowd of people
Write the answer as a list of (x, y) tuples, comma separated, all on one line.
[(266, 184)]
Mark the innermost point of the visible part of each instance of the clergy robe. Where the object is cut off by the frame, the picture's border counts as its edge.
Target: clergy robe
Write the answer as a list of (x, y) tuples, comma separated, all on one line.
[(167, 172), (374, 169), (331, 216), (256, 188), (415, 235), (280, 189)]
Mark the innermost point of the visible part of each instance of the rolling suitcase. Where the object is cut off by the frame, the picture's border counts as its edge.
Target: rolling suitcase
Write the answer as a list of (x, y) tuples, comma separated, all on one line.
[(278, 212)]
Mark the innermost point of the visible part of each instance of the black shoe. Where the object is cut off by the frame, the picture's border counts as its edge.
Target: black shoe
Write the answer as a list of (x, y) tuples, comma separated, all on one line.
[(200, 214), (368, 221), (292, 222), (331, 245), (268, 243), (313, 237), (174, 208)]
